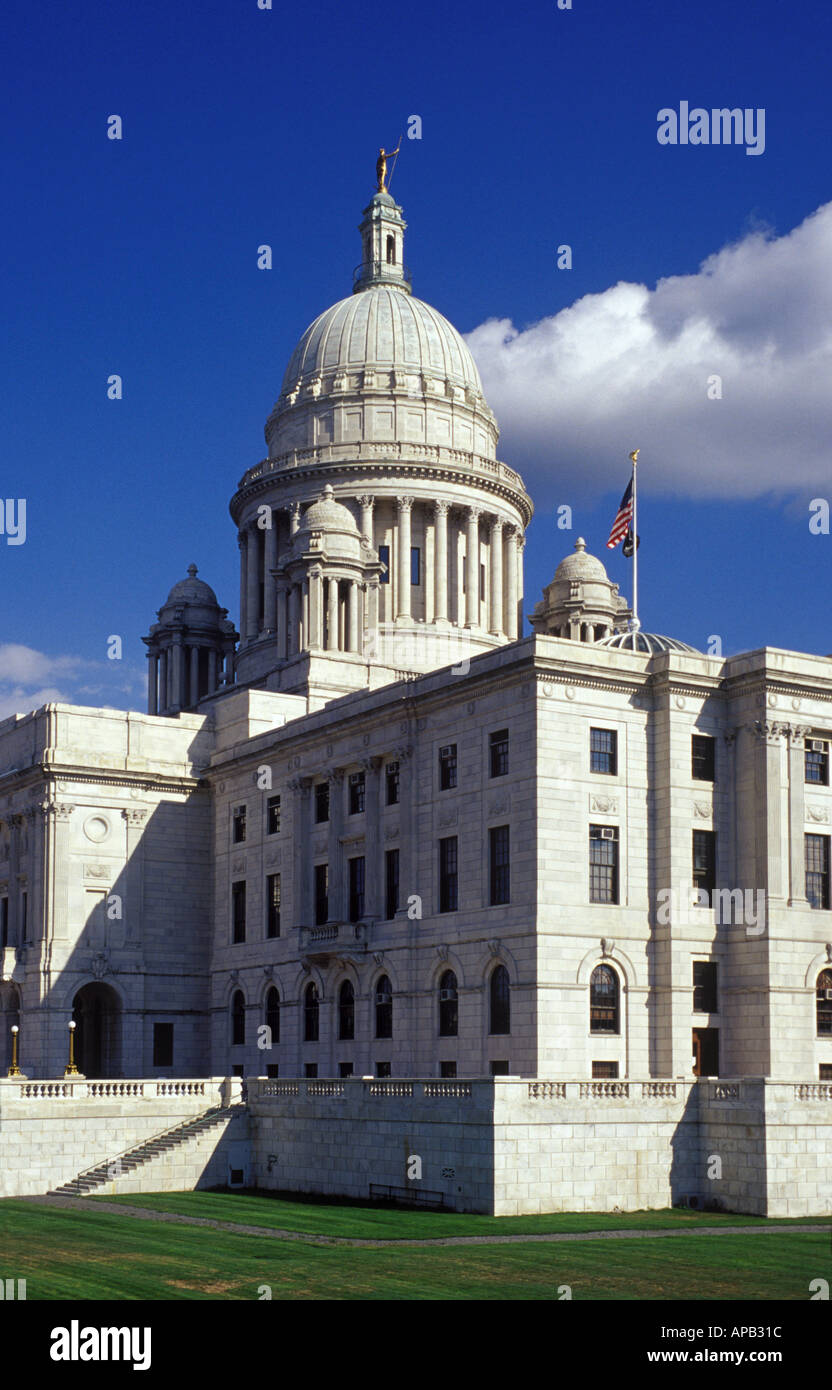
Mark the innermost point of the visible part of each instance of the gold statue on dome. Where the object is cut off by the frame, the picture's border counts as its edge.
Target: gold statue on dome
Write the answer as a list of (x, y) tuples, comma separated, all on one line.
[(381, 165)]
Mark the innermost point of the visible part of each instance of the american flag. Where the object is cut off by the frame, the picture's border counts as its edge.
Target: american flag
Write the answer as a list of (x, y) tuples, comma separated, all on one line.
[(623, 518)]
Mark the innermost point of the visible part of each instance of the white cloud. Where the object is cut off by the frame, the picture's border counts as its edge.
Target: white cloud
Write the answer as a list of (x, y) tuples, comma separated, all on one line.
[(629, 368), (29, 679)]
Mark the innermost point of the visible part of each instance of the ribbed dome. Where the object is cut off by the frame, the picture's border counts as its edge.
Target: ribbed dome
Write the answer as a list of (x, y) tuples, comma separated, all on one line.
[(645, 642), (382, 327), (328, 515), (580, 565), (192, 590)]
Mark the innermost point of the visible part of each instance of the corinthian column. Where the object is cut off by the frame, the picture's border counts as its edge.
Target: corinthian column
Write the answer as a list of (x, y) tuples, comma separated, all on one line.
[(440, 525), (352, 643), (270, 563), (472, 568), (252, 585), (242, 541), (332, 616), (496, 557), (194, 673), (366, 524), (511, 583), (152, 680), (316, 608), (403, 519)]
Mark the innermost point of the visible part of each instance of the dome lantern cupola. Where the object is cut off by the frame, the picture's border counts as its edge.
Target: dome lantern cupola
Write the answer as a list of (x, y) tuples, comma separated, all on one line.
[(382, 245), (190, 651), (580, 603)]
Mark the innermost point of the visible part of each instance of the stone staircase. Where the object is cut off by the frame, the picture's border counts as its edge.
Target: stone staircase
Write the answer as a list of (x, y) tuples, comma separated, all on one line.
[(122, 1164)]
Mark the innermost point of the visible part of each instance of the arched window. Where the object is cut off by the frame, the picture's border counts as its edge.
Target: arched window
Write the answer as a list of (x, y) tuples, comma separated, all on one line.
[(824, 1003), (603, 1000), (238, 1018), (391, 250), (384, 1008), (448, 1006), (273, 1014), (310, 1013), (346, 1011), (499, 1001)]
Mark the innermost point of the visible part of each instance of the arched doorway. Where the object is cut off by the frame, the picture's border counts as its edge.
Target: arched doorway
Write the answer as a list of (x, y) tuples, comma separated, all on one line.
[(9, 1014), (96, 1010)]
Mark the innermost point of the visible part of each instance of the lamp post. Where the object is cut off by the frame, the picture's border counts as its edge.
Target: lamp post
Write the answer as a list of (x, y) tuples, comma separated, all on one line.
[(70, 1069), (14, 1069)]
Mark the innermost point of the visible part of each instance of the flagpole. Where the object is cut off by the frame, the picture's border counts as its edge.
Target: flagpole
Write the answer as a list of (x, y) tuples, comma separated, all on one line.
[(634, 458)]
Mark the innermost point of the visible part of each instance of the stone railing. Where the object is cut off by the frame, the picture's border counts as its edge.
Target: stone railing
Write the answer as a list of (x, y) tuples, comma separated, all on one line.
[(547, 1090), (441, 455), (813, 1091), (215, 1088), (359, 1087), (601, 1090), (726, 1091)]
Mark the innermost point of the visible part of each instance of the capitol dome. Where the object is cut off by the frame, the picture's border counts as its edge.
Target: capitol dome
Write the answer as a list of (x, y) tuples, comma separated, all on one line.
[(385, 328), (381, 529)]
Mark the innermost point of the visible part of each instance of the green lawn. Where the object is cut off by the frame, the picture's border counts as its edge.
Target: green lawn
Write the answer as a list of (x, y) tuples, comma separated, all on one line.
[(385, 1223), (91, 1254)]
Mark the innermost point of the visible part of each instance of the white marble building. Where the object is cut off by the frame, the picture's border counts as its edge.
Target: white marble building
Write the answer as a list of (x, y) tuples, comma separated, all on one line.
[(382, 833)]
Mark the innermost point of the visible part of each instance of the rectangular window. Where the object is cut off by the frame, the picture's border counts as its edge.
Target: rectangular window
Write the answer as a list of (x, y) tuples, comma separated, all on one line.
[(273, 815), (499, 864), (603, 751), (321, 894), (603, 864), (345, 1068), (238, 833), (704, 862), (816, 759), (499, 1068), (238, 912), (704, 987), (448, 874), (415, 565), (357, 888), (382, 1068), (391, 884), (702, 748), (357, 792), (391, 778), (273, 1070), (825, 1071), (705, 1048), (163, 1044), (4, 923), (321, 802), (24, 916), (817, 870), (310, 1070), (498, 749), (447, 1069), (605, 1071), (272, 905), (482, 583), (384, 556), (447, 767)]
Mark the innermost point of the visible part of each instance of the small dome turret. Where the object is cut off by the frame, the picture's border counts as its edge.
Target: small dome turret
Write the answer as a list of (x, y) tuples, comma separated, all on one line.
[(188, 648), (580, 603)]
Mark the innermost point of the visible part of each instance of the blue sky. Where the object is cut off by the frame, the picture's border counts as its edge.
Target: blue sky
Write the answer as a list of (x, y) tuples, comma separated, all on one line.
[(245, 126)]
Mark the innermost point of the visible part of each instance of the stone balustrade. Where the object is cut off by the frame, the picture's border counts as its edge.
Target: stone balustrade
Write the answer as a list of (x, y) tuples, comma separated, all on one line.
[(392, 451)]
